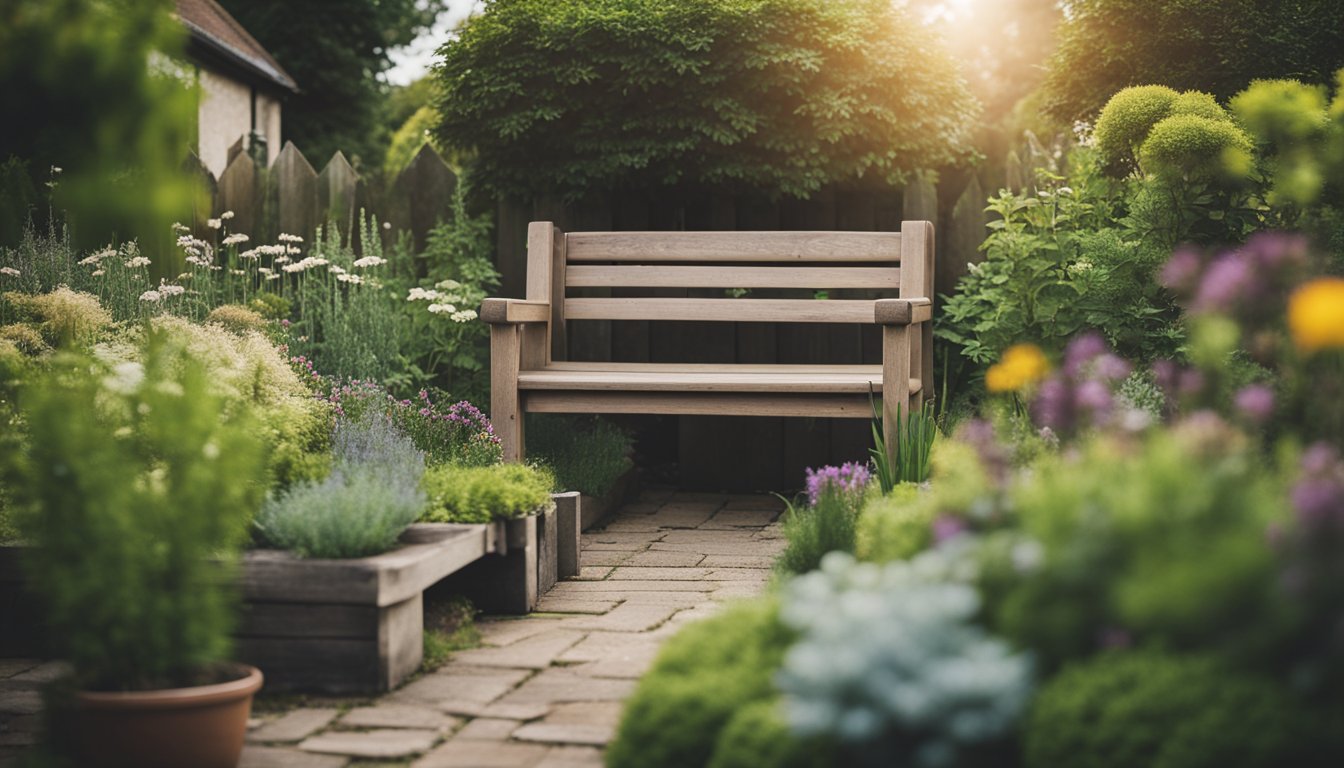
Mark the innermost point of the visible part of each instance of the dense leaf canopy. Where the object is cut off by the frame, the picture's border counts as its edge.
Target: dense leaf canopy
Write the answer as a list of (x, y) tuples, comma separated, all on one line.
[(1218, 46), (781, 96)]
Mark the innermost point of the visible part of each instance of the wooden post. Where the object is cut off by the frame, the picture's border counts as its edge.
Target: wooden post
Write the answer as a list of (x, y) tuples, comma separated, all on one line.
[(505, 411), (917, 248), (896, 352), (545, 282)]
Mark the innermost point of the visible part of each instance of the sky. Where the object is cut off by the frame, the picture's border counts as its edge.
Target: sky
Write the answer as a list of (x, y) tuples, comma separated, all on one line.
[(412, 62)]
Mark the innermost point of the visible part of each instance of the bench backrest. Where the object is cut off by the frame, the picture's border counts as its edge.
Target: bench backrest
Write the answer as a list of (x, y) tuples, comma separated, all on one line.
[(898, 264)]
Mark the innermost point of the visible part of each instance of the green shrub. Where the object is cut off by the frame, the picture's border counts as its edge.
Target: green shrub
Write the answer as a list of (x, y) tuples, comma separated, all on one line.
[(1127, 119), (1199, 104), (361, 509), (62, 316), (587, 454), (482, 494), (1164, 542), (812, 530), (780, 95), (1200, 147), (1125, 709), (757, 736), (704, 674), (136, 491), (895, 526), (236, 318)]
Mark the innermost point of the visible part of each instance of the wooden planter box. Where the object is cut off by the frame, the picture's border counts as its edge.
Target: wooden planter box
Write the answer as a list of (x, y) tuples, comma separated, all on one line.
[(347, 626)]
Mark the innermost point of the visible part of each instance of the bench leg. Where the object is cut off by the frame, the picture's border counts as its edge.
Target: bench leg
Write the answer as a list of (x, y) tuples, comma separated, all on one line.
[(505, 407), (895, 382)]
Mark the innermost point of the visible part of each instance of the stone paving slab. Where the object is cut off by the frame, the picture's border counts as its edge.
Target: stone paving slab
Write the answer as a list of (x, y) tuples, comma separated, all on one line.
[(627, 617), (521, 712), (624, 573), (572, 757), (384, 715), (483, 754), (389, 742), (590, 558), (536, 652), (295, 725), (257, 756), (734, 561), (557, 685), (569, 605), (593, 572), (509, 631), (488, 729), (12, 667), (663, 560), (458, 685)]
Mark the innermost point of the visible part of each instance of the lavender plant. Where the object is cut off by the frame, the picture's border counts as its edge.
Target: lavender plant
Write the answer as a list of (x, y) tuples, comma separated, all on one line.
[(371, 496), (890, 664)]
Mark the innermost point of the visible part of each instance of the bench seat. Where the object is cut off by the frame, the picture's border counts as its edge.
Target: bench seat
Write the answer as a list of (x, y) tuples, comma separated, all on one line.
[(659, 377)]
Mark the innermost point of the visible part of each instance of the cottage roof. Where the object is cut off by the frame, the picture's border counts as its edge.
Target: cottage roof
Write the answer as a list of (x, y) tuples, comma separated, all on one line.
[(217, 34)]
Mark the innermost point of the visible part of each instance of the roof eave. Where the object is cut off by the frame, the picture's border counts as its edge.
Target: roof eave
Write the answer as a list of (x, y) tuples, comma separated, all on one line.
[(274, 76)]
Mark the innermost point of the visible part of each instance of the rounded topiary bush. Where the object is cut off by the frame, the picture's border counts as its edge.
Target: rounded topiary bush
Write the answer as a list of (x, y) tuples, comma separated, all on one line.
[(1121, 710), (703, 676), (1197, 146), (1126, 120), (1200, 104)]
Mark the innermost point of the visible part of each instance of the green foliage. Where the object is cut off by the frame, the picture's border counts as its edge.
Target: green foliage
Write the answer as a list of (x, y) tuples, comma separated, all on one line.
[(812, 530), (1200, 147), (908, 460), (90, 86), (408, 139), (1059, 262), (895, 526), (1165, 544), (136, 492), (1301, 138), (1216, 46), (1127, 119), (337, 51), (784, 96), (1125, 709), (703, 676), (757, 736), (372, 494), (483, 494), (450, 626), (587, 454)]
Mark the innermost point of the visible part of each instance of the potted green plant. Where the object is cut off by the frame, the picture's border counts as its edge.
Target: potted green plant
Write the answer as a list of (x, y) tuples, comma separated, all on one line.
[(135, 489)]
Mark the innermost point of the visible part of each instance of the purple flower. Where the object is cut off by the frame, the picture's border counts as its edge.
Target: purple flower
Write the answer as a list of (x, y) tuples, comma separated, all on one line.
[(1083, 350), (1319, 496), (1228, 282), (1053, 406), (1094, 397), (947, 527), (848, 478), (1255, 402), (1276, 251), (1112, 367), (1181, 271)]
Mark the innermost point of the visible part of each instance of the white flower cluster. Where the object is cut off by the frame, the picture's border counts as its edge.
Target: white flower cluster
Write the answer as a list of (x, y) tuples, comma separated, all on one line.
[(370, 261), (441, 309), (288, 238), (463, 316), (12, 272), (236, 238), (97, 256), (169, 289), (890, 660), (214, 223), (420, 294), (137, 261), (226, 215), (151, 296), (348, 278), (305, 264)]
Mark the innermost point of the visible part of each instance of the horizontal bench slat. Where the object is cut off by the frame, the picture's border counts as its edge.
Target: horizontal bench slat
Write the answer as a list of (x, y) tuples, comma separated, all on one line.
[(701, 404), (722, 310), (642, 276), (733, 246), (814, 379)]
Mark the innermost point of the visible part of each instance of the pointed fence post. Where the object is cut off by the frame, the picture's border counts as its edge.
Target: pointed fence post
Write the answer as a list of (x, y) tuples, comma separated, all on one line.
[(965, 232), (293, 188), (422, 195), (337, 186), (239, 190)]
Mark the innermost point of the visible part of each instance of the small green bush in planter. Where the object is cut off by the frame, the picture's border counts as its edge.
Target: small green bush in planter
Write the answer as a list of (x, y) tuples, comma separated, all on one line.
[(1126, 709), (482, 494), (372, 494), (588, 454), (136, 493)]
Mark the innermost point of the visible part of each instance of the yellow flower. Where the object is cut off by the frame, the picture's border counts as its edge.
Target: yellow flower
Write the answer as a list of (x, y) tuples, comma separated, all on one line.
[(1316, 315), (1021, 366)]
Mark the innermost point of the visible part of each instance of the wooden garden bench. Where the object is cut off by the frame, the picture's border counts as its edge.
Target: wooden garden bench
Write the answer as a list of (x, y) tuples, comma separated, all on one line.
[(529, 372)]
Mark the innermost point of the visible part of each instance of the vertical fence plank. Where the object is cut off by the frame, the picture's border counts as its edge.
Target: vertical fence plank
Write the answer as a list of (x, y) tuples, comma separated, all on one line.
[(293, 187), (337, 185), (965, 231), (422, 195), (239, 190), (511, 220)]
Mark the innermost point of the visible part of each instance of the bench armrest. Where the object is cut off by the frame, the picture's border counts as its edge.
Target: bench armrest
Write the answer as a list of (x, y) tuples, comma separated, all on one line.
[(902, 311), (507, 311)]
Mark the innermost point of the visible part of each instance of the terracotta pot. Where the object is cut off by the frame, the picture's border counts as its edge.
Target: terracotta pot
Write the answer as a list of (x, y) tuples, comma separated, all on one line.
[(201, 727)]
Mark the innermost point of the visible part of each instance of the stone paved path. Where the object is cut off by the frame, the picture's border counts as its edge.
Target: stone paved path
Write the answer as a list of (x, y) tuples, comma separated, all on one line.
[(543, 691)]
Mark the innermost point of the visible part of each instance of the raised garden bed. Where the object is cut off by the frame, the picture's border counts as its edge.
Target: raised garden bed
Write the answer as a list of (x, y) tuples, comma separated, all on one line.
[(357, 626), (596, 509)]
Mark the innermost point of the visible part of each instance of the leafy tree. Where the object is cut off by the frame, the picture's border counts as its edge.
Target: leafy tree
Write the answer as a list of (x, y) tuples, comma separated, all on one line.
[(776, 95), (337, 51), (1218, 46), (87, 86)]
